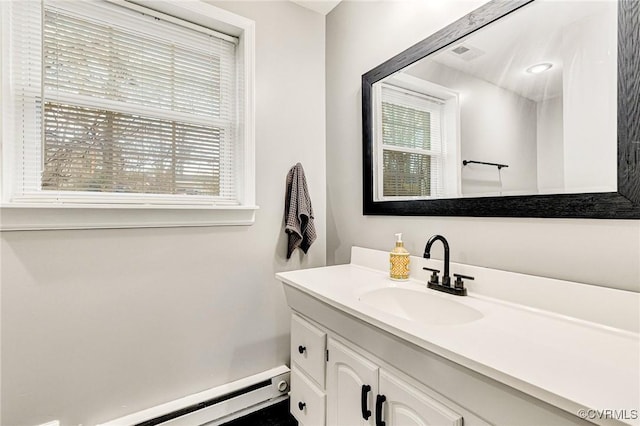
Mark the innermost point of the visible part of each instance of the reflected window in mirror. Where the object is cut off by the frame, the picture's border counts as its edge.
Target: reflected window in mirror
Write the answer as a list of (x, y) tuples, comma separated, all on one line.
[(416, 143)]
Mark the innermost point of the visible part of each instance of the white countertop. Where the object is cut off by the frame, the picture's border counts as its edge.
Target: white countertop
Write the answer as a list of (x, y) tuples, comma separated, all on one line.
[(567, 362)]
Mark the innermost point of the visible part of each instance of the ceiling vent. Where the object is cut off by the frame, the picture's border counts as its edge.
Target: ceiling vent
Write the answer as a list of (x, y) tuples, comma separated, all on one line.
[(466, 52)]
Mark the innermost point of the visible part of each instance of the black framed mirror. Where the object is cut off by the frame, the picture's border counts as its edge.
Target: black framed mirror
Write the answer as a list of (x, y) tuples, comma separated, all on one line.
[(389, 99)]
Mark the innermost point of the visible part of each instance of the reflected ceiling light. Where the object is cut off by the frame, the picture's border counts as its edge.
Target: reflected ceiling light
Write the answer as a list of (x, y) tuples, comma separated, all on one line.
[(538, 68)]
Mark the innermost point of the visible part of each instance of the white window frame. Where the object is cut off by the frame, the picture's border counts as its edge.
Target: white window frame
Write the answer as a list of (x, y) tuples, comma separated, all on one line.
[(34, 216), (450, 155)]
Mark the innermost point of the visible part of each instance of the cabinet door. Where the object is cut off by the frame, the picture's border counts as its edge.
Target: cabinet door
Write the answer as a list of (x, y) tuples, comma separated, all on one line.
[(406, 405), (352, 384)]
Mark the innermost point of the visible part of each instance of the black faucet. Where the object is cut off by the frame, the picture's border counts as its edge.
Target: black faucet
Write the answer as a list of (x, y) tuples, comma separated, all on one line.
[(458, 287), (446, 280)]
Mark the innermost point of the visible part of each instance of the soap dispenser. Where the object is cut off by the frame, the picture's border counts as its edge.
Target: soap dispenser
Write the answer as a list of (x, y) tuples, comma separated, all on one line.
[(399, 261)]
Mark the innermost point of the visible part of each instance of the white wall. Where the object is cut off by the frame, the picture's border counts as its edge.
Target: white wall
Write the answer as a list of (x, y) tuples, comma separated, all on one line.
[(589, 89), (100, 323), (361, 35), (550, 146)]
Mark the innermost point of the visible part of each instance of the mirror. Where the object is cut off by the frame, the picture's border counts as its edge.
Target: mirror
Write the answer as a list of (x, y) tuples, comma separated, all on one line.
[(524, 108)]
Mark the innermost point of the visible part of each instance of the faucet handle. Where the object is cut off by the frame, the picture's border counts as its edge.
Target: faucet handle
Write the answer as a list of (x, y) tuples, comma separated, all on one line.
[(434, 276), (459, 283)]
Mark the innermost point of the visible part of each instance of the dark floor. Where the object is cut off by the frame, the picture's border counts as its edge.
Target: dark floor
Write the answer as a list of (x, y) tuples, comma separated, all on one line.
[(275, 415)]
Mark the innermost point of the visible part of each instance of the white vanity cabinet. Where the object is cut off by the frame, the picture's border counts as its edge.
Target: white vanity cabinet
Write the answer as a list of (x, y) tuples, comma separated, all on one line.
[(508, 364), (352, 386), (307, 400), (308, 349), (407, 405), (308, 359), (355, 389), (359, 392)]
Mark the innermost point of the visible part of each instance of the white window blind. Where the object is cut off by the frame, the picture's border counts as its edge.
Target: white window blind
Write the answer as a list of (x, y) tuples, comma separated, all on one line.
[(410, 155), (115, 106)]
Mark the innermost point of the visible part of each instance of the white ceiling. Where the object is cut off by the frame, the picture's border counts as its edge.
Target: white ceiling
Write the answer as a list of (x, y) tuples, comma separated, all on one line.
[(320, 6), (534, 36)]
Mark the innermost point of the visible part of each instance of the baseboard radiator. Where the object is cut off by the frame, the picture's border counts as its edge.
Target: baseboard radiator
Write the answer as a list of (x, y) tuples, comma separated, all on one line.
[(217, 405)]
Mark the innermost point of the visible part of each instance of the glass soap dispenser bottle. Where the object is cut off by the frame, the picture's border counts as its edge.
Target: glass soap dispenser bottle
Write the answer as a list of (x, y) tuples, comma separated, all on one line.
[(399, 261)]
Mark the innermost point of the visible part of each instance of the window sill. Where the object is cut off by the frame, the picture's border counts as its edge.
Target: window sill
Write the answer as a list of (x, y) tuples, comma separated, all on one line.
[(46, 217)]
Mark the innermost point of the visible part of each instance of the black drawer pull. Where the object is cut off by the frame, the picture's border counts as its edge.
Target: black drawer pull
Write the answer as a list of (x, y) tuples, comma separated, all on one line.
[(301, 349), (301, 405), (363, 402), (380, 399)]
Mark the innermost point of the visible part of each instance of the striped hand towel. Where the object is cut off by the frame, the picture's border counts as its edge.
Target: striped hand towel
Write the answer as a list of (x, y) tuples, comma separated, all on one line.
[(298, 213)]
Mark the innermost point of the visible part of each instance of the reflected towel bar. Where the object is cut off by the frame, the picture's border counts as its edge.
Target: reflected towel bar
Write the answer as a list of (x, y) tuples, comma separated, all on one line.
[(499, 166)]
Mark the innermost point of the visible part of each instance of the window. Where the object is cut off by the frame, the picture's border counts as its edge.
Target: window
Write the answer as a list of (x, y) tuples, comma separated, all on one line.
[(115, 105), (410, 148)]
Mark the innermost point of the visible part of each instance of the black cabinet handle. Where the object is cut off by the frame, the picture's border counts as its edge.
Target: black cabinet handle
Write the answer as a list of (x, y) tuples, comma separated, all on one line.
[(363, 402), (301, 405), (301, 349), (380, 399)]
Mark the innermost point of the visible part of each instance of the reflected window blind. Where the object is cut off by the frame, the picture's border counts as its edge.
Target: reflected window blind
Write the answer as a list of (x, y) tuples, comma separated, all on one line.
[(125, 107), (411, 154)]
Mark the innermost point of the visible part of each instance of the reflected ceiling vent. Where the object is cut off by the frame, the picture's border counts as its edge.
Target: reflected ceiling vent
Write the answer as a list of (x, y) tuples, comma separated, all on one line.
[(466, 52), (460, 50)]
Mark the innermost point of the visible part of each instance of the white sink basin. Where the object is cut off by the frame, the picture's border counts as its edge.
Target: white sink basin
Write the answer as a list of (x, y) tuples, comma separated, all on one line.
[(420, 306)]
